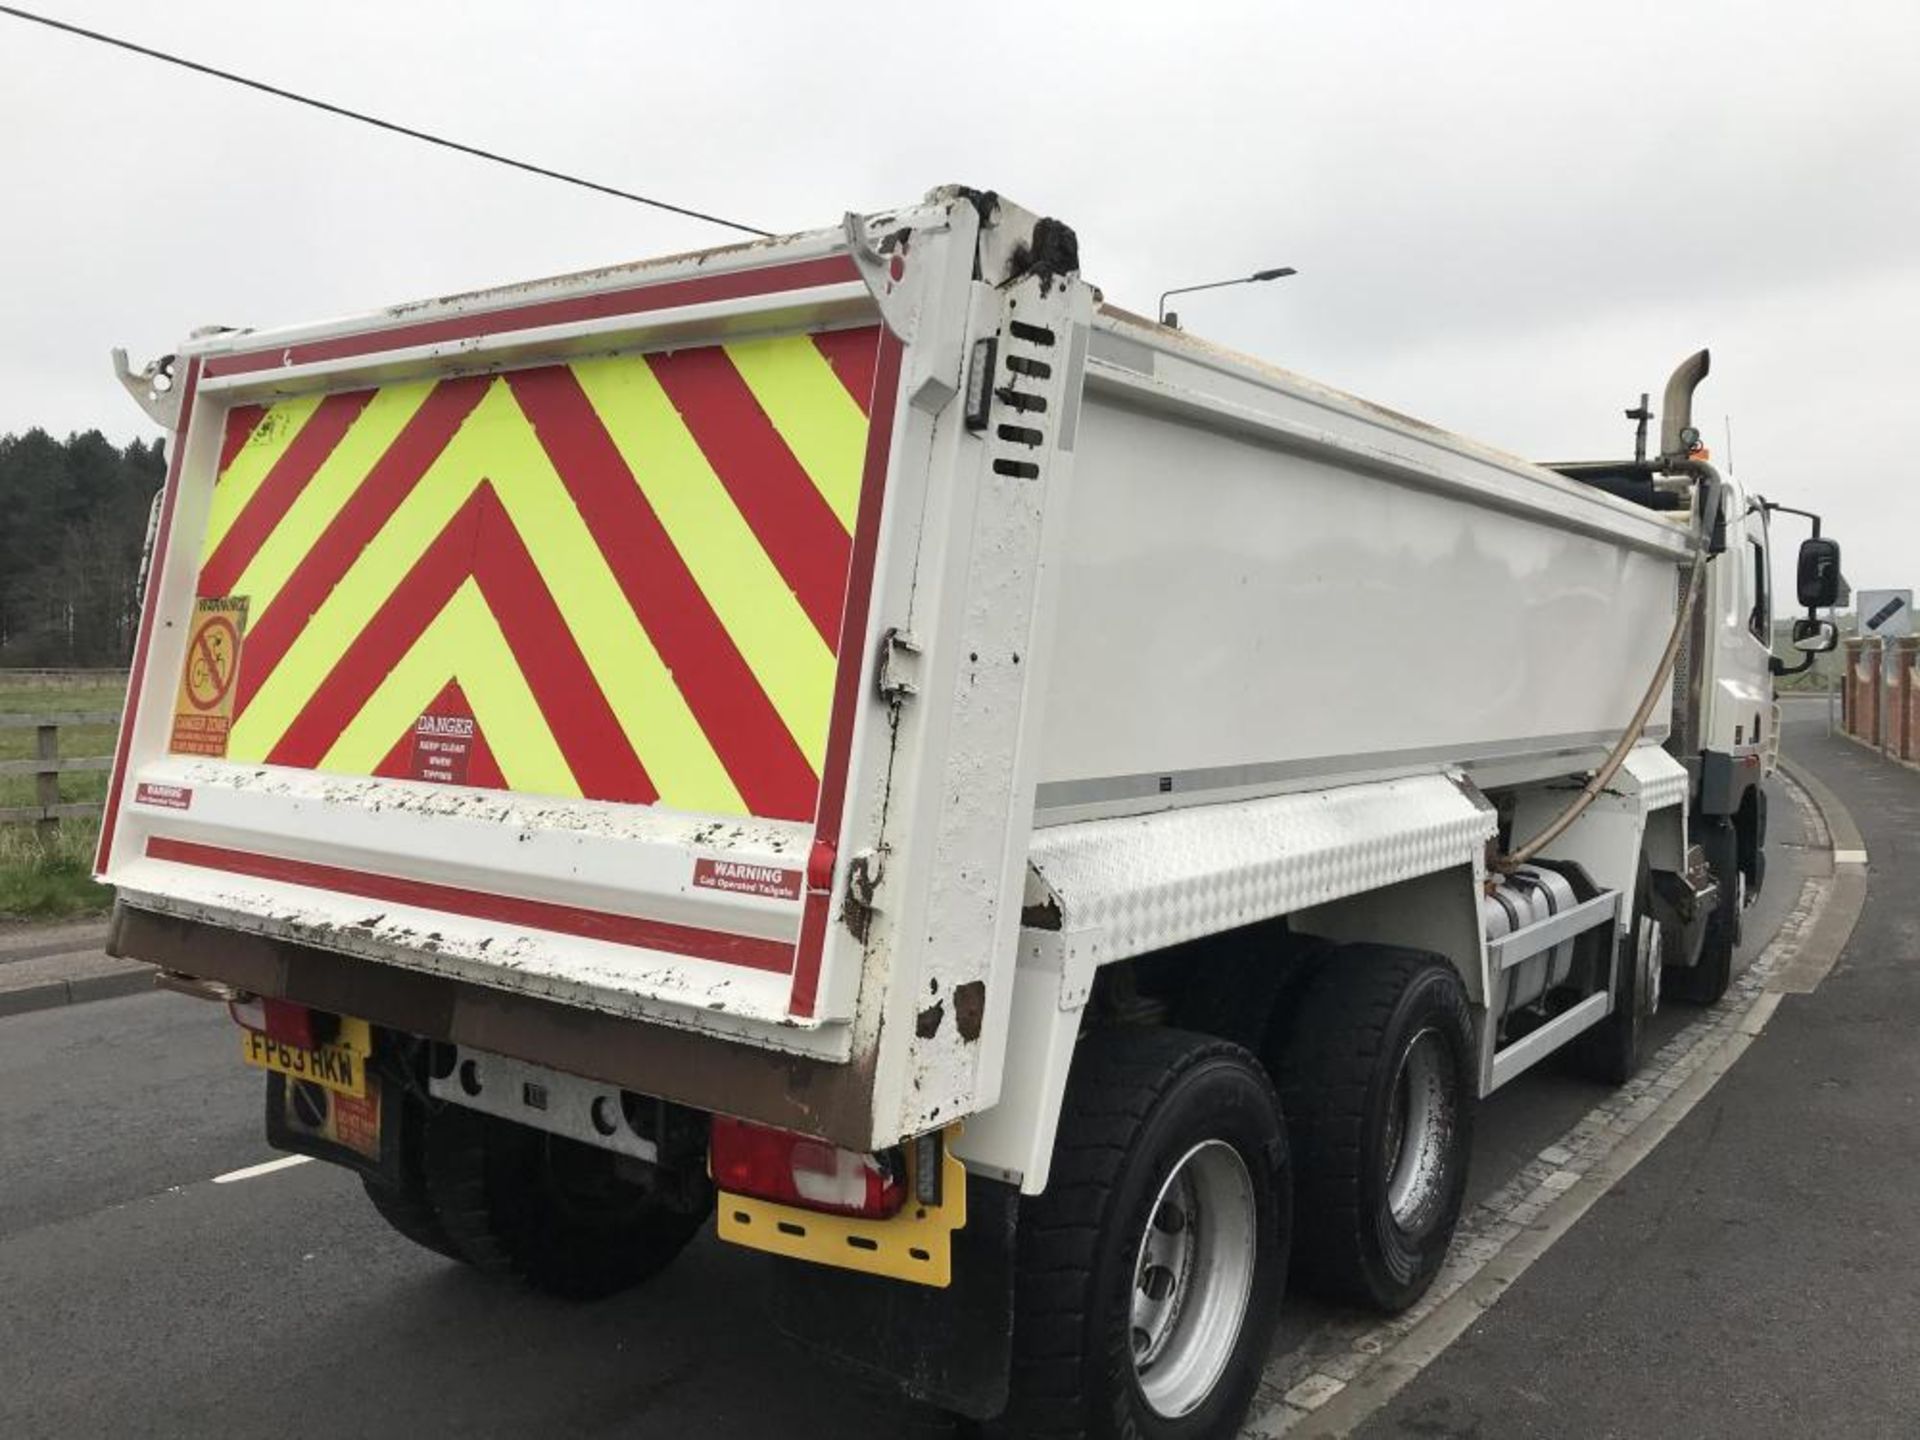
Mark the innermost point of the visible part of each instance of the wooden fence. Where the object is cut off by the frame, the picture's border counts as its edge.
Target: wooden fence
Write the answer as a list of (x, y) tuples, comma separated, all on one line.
[(47, 765), (16, 678)]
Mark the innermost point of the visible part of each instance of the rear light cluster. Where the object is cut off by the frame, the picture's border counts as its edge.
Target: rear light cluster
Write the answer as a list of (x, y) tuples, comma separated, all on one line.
[(282, 1020), (791, 1169)]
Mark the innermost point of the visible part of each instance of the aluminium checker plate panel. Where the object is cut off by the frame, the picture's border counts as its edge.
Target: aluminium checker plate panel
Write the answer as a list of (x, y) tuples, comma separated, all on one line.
[(1146, 882)]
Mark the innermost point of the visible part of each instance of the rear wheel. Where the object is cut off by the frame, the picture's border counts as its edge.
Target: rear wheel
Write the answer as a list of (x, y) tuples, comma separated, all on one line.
[(1150, 1272), (570, 1219), (404, 1202), (1377, 1076)]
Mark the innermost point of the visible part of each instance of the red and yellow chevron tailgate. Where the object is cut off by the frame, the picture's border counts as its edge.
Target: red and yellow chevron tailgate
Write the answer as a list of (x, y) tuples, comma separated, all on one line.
[(620, 578)]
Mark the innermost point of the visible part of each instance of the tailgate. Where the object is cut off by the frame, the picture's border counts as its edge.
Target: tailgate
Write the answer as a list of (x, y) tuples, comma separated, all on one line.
[(522, 641)]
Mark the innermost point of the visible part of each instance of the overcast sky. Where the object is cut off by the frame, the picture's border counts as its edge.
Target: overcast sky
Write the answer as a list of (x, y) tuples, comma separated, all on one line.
[(1509, 216)]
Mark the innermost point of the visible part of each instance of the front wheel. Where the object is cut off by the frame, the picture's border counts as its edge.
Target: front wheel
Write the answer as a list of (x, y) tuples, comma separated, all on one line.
[(1150, 1271), (1610, 1052)]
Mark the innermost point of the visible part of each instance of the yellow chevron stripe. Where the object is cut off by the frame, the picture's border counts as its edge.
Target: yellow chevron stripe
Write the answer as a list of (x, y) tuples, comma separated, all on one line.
[(373, 431), (820, 422), (792, 664), (462, 643), (241, 480), (497, 442)]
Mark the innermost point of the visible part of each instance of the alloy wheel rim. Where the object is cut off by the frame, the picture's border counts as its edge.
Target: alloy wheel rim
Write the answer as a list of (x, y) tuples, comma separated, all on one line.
[(1193, 1278), (1420, 1123)]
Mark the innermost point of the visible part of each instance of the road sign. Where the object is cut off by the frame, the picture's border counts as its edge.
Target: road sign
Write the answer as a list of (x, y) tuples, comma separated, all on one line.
[(1887, 613)]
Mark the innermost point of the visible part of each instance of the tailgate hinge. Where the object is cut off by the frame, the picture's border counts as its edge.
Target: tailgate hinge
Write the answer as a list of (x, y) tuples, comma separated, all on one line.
[(897, 674), (154, 389)]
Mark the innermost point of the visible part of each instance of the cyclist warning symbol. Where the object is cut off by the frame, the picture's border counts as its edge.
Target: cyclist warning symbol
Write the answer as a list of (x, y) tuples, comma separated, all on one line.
[(203, 711)]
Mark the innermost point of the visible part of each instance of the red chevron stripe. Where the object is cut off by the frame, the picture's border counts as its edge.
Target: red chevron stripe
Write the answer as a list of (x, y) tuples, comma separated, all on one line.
[(767, 767), (785, 510), (481, 541), (282, 486), (854, 356), (240, 425), (373, 502), (748, 950)]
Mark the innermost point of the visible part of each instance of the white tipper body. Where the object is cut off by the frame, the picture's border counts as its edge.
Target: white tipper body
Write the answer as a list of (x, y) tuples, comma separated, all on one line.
[(1221, 644)]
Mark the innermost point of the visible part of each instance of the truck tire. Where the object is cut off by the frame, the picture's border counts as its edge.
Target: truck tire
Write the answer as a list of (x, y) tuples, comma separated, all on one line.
[(1377, 1072), (569, 1219), (1610, 1052), (454, 1162), (1706, 980), (404, 1203), (1149, 1274)]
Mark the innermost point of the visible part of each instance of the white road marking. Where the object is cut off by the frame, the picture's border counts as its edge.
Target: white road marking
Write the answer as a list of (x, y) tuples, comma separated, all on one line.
[(1849, 857), (1347, 1368), (285, 1162)]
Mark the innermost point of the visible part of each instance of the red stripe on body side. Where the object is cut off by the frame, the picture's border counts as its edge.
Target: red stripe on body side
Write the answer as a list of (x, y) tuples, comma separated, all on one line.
[(781, 505), (386, 486), (748, 951), (766, 765), (855, 357), (661, 295), (242, 421), (834, 777), (289, 476), (150, 604)]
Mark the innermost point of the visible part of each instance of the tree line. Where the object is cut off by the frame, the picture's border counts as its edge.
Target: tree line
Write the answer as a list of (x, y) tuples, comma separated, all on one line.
[(73, 520)]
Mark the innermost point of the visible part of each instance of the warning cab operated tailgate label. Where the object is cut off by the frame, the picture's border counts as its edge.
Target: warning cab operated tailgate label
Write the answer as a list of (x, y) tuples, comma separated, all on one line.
[(768, 881)]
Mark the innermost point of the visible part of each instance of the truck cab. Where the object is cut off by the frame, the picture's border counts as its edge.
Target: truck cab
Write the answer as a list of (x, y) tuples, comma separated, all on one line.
[(1724, 724)]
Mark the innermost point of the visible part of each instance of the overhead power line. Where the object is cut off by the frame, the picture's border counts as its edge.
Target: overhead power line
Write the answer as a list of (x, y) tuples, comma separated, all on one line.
[(374, 120)]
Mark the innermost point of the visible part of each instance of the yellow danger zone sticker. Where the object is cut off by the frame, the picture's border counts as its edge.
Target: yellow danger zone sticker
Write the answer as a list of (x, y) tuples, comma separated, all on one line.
[(203, 708)]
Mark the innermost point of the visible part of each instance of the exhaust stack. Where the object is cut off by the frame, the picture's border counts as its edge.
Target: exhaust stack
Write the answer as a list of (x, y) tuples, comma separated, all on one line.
[(1677, 433)]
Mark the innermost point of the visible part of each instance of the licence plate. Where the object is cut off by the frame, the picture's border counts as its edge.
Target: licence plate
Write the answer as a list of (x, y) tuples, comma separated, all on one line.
[(332, 1067)]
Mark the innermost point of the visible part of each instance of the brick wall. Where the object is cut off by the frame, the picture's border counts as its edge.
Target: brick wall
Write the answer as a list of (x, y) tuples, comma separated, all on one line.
[(1870, 663)]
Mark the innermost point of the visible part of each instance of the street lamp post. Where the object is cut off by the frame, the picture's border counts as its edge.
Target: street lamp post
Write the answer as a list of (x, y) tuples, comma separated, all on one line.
[(1172, 321)]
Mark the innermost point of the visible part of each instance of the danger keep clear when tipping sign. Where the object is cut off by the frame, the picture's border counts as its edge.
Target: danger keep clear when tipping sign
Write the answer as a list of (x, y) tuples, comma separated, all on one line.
[(203, 708)]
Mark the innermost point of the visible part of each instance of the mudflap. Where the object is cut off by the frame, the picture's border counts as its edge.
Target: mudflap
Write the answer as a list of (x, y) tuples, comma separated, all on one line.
[(951, 1348)]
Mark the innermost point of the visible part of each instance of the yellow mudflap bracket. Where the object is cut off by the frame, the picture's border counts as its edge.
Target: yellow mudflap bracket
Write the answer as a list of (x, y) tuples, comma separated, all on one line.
[(915, 1244)]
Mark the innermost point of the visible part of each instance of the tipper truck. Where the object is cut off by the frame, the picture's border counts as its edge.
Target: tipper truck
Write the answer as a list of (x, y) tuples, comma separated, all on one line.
[(1044, 826)]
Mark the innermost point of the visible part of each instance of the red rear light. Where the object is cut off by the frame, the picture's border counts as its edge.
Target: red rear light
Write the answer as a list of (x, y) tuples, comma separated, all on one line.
[(793, 1169), (280, 1020)]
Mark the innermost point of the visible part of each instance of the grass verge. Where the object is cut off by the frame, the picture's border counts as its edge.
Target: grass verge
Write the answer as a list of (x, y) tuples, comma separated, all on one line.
[(50, 879)]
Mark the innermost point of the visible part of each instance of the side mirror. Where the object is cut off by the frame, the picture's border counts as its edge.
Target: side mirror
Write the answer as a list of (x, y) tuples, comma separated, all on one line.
[(1819, 577), (1815, 637), (1811, 637)]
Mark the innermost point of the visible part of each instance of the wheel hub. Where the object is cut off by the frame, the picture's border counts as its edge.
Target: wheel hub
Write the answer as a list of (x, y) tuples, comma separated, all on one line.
[(1651, 959), (1419, 1132), (1193, 1276)]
